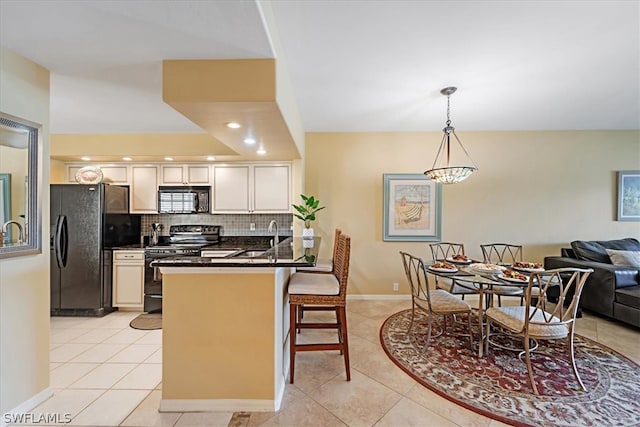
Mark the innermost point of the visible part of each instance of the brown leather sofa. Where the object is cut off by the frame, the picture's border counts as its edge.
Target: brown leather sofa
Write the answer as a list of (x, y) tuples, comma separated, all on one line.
[(611, 290)]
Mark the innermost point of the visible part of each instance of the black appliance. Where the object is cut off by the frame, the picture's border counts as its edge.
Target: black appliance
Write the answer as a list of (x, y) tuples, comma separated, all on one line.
[(183, 199), (87, 221), (184, 240)]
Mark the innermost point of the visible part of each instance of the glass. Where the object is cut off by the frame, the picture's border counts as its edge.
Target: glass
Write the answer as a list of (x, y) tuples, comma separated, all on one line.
[(20, 182)]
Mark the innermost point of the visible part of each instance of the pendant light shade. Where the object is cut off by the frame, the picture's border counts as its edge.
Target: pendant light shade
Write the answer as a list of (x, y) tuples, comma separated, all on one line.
[(446, 169)]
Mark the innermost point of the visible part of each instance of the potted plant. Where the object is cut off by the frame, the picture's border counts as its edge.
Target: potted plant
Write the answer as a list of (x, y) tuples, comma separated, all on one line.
[(307, 213)]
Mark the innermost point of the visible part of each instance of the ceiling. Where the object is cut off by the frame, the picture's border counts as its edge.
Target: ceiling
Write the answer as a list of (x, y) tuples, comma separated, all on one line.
[(354, 66)]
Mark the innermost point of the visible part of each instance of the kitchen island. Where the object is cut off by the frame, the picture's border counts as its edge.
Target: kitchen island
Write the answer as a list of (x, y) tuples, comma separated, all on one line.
[(225, 329)]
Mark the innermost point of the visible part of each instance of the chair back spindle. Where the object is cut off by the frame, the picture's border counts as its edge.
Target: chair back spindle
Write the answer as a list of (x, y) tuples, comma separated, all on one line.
[(444, 250), (501, 253)]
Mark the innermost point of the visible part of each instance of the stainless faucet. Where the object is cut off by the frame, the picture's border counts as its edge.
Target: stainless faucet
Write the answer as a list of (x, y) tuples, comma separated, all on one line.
[(5, 226), (273, 228)]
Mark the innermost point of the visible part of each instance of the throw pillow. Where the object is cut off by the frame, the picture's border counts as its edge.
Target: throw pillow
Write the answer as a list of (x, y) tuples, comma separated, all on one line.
[(624, 258)]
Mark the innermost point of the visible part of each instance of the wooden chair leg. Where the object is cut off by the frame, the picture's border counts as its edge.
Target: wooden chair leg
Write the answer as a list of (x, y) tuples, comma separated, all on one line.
[(293, 317), (300, 313), (342, 314)]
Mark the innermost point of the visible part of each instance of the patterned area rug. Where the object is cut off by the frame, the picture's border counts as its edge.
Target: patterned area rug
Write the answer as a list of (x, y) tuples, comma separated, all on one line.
[(147, 321), (497, 385)]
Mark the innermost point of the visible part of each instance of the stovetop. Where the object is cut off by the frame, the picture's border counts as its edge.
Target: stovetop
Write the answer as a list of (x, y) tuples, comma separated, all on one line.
[(188, 239)]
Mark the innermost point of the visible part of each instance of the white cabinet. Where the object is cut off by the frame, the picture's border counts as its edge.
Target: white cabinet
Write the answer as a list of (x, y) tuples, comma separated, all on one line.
[(128, 279), (144, 189), (252, 188), (271, 188), (184, 175), (113, 174), (231, 188)]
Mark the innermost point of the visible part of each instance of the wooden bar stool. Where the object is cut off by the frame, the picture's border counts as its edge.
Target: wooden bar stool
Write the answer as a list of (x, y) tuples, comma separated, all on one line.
[(321, 292)]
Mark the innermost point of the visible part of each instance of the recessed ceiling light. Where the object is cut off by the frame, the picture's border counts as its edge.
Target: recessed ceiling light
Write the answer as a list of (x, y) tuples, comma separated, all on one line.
[(127, 159), (85, 158), (168, 159), (211, 158), (233, 125), (261, 151), (249, 141)]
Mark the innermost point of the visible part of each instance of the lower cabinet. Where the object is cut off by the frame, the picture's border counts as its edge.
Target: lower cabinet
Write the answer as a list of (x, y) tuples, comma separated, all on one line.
[(128, 279)]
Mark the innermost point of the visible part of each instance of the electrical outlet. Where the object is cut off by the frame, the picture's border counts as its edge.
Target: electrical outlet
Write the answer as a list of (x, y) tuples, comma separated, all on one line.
[(396, 287), (252, 226)]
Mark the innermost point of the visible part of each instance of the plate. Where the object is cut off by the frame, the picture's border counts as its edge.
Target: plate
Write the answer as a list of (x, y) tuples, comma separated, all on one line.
[(443, 270), (455, 261), (486, 268), (89, 175), (528, 270), (511, 279)]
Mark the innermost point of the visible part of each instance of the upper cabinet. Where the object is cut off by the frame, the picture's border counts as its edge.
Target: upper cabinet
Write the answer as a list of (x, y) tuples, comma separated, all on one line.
[(236, 187), (252, 188), (184, 175), (144, 189), (112, 174)]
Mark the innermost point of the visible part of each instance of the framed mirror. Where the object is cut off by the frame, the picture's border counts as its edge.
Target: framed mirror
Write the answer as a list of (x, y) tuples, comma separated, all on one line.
[(20, 187)]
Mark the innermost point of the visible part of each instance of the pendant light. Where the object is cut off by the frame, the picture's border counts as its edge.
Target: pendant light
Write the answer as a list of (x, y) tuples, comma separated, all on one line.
[(442, 170)]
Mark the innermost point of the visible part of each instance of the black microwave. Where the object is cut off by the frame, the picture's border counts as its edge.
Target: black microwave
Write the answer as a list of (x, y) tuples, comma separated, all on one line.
[(181, 200)]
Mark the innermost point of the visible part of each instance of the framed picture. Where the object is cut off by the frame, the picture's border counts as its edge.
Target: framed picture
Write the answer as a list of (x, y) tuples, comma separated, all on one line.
[(412, 208), (629, 196)]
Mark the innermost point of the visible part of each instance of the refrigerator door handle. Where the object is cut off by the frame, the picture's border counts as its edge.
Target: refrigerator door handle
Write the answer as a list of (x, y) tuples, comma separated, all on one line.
[(64, 240), (56, 241)]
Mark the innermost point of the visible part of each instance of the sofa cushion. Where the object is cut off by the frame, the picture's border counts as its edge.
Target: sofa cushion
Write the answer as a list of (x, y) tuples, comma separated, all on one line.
[(629, 296), (597, 250), (624, 258)]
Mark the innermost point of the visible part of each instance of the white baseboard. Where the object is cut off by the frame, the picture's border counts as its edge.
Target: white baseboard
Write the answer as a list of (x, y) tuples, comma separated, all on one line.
[(226, 405), (28, 404), (403, 297)]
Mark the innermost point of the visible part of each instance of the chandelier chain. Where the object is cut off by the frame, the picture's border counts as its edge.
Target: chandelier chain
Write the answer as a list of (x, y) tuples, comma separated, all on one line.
[(448, 110)]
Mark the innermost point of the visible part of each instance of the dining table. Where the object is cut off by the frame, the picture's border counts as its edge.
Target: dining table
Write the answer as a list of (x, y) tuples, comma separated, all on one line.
[(484, 283)]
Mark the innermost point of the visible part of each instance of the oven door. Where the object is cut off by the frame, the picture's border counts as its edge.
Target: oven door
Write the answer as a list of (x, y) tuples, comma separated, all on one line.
[(153, 283)]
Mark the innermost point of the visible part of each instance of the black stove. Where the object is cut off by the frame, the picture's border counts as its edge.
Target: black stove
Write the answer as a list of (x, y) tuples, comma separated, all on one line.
[(187, 240), (184, 240)]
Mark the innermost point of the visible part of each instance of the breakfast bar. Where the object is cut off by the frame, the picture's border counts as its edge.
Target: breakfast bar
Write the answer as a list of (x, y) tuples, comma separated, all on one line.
[(225, 328)]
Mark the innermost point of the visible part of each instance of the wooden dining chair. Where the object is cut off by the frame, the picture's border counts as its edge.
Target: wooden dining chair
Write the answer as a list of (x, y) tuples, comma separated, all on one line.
[(503, 254), (532, 321), (433, 302), (440, 252), (325, 292)]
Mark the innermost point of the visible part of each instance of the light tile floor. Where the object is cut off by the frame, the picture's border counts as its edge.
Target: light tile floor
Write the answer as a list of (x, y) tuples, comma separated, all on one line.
[(105, 373)]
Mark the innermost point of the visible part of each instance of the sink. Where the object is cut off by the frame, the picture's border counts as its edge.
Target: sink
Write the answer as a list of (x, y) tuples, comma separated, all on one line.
[(219, 253), (250, 254)]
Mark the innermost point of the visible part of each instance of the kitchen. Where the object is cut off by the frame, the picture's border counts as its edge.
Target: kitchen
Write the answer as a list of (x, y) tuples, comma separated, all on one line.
[(222, 205)]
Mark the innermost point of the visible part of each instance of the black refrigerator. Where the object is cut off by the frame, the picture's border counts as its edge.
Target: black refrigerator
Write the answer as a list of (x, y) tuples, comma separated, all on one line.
[(87, 222)]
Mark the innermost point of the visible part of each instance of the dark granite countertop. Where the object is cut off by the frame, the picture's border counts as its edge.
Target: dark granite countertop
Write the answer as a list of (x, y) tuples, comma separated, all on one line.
[(134, 247), (291, 252)]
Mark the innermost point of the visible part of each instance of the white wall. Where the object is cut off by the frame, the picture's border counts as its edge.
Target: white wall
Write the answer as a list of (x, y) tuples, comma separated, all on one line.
[(24, 281), (538, 189)]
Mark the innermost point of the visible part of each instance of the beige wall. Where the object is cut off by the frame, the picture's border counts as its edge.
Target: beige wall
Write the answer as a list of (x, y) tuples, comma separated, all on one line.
[(538, 189), (24, 281)]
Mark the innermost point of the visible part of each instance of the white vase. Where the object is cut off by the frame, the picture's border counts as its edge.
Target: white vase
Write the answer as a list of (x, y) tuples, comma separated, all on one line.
[(307, 233), (307, 243)]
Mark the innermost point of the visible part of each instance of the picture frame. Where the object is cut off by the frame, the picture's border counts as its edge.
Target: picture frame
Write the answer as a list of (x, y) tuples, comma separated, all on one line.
[(412, 208), (629, 195)]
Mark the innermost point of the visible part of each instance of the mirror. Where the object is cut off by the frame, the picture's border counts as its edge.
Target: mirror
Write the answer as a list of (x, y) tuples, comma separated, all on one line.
[(20, 182)]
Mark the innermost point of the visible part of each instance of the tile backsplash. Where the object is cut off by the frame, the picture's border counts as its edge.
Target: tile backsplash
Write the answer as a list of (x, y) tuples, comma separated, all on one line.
[(232, 224)]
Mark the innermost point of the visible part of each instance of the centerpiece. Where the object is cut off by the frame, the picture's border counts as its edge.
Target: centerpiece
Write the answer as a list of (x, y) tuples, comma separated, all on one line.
[(307, 213)]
